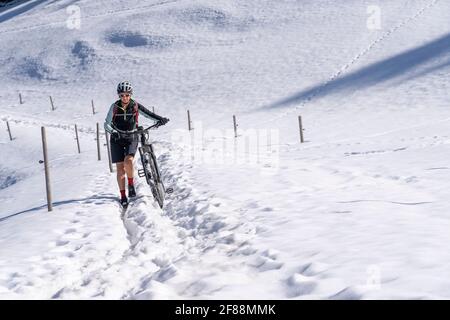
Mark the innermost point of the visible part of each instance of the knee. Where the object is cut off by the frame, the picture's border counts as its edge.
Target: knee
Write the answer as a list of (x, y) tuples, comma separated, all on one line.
[(129, 160)]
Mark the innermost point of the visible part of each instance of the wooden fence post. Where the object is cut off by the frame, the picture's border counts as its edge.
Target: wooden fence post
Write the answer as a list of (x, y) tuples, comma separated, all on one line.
[(20, 98), (109, 152), (9, 130), (98, 142), (51, 102), (93, 108), (189, 120), (47, 172), (235, 126), (78, 140), (301, 129)]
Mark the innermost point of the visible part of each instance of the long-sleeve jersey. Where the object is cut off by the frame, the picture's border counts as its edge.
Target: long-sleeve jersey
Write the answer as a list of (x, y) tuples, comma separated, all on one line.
[(127, 119)]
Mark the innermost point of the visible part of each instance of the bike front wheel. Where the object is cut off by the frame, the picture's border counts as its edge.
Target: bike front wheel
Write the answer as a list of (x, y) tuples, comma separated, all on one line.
[(152, 174)]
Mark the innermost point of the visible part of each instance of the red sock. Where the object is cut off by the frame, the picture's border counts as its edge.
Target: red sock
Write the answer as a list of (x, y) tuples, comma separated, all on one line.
[(130, 181), (122, 193)]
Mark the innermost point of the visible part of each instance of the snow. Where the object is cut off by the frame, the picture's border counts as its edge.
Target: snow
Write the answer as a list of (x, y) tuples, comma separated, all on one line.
[(359, 211)]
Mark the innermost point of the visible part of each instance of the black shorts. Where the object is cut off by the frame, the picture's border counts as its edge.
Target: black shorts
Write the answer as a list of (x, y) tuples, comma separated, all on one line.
[(121, 148)]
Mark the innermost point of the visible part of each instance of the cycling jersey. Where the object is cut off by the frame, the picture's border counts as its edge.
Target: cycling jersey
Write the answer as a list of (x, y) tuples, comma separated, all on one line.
[(127, 119)]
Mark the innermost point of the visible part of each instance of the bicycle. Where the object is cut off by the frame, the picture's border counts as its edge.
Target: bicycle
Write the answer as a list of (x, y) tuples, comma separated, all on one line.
[(150, 168)]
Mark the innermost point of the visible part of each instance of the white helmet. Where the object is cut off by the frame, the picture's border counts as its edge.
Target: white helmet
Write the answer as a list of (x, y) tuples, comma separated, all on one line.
[(124, 86)]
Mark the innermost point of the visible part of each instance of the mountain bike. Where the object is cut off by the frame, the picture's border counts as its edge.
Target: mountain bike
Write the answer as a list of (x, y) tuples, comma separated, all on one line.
[(150, 168)]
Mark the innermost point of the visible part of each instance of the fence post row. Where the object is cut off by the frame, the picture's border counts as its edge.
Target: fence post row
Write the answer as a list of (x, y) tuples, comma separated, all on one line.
[(44, 146), (47, 172)]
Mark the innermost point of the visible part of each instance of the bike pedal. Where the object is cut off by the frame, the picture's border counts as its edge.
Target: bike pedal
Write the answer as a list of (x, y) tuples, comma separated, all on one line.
[(141, 173)]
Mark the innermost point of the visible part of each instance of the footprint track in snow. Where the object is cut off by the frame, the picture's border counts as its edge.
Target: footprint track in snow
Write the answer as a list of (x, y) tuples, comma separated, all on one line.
[(315, 280), (266, 260), (299, 285)]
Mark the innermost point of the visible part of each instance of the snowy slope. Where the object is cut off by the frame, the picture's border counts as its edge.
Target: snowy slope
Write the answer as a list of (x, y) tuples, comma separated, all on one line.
[(358, 211)]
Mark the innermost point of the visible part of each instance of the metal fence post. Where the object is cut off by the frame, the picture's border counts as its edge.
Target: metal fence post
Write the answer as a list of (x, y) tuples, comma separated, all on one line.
[(189, 120), (47, 172), (9, 130), (109, 152), (98, 142), (78, 140), (93, 108), (51, 102), (301, 129)]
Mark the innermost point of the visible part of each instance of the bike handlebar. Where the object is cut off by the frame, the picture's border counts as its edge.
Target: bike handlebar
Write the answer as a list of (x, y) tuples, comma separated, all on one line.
[(137, 130)]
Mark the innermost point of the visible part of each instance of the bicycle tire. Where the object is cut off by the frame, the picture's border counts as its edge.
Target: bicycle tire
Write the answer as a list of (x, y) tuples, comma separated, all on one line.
[(159, 186), (152, 174)]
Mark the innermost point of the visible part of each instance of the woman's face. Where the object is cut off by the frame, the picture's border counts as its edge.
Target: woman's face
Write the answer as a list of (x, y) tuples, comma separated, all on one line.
[(125, 97)]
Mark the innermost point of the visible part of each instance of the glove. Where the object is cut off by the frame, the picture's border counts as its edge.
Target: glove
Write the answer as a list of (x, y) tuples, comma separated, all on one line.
[(163, 121)]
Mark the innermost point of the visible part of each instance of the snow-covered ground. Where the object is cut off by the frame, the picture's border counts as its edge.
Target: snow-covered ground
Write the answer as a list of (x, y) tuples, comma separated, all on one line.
[(359, 211)]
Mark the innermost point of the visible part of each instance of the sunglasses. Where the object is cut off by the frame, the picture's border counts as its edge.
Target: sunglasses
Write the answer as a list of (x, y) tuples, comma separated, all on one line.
[(124, 95)]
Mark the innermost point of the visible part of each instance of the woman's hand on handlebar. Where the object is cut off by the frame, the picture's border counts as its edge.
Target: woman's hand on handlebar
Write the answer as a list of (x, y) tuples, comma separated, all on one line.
[(162, 122)]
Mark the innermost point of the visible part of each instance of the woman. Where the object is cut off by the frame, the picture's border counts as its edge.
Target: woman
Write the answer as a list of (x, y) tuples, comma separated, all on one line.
[(123, 115)]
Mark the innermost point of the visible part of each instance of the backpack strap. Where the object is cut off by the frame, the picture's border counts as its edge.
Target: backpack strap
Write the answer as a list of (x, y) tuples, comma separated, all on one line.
[(136, 111), (114, 111)]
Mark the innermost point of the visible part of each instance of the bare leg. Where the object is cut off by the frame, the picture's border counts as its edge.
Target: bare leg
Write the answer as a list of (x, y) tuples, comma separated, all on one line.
[(120, 175), (129, 168)]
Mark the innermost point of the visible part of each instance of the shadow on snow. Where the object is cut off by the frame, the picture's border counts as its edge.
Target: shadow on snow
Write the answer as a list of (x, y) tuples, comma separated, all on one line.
[(18, 9), (435, 54), (93, 199)]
